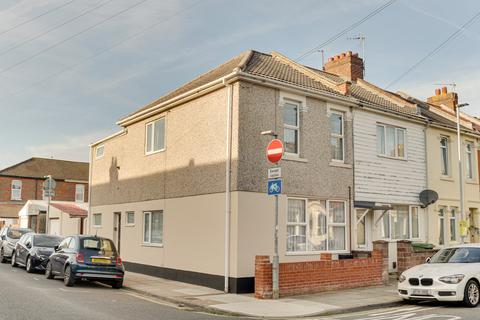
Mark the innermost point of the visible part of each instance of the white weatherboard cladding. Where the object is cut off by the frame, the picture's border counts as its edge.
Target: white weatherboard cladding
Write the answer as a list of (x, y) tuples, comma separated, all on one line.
[(386, 180)]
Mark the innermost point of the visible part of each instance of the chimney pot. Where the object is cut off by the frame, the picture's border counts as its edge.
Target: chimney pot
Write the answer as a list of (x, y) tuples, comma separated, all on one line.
[(444, 90), (330, 59), (347, 64), (344, 55), (349, 53), (438, 91)]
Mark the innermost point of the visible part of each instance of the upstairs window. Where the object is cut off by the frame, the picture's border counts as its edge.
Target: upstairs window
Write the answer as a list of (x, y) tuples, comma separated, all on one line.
[(337, 136), (291, 127), (444, 156), (79, 193), (16, 190), (469, 160), (99, 151), (390, 141), (155, 136)]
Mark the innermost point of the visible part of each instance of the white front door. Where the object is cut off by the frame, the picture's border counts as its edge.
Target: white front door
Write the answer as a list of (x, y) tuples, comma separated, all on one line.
[(55, 227)]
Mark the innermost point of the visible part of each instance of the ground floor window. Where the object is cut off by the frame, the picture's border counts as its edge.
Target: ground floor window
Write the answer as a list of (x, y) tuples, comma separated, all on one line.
[(453, 224), (315, 225), (153, 227), (401, 223), (441, 227), (361, 229), (97, 219)]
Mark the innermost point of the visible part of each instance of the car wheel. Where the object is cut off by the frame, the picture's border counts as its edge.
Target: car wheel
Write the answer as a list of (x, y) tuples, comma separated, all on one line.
[(117, 284), (68, 277), (471, 294), (28, 265), (49, 271), (14, 259), (3, 259)]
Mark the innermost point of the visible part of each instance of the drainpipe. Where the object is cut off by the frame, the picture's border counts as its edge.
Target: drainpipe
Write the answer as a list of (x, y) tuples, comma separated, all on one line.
[(228, 171), (427, 222), (89, 215)]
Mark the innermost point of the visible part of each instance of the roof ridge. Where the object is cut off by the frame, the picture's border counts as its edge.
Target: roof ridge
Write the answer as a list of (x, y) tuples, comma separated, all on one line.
[(385, 94), (305, 70)]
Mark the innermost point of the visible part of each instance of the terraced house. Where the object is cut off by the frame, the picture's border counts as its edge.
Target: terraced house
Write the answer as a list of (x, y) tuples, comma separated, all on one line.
[(182, 187)]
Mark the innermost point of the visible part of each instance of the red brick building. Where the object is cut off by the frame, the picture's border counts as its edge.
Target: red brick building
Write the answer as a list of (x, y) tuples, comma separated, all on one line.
[(24, 181)]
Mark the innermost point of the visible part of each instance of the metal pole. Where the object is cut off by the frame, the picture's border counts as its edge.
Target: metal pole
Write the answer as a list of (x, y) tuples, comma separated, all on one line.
[(275, 267), (47, 217), (460, 171)]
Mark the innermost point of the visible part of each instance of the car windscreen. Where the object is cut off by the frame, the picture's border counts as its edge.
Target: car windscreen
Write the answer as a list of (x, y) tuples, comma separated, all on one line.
[(457, 255), (100, 246), (17, 233), (46, 241)]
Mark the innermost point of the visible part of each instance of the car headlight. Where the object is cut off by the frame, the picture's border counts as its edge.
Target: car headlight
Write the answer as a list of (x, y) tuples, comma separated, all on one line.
[(456, 278), (402, 278)]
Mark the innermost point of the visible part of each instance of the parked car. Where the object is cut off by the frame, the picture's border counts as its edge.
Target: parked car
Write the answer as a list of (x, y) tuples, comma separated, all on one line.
[(86, 258), (33, 249), (452, 274), (8, 238)]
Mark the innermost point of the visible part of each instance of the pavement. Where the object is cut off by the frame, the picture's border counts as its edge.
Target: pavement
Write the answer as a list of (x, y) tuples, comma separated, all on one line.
[(215, 301)]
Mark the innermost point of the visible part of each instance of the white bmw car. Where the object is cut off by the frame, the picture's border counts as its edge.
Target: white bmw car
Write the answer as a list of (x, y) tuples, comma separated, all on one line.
[(452, 274)]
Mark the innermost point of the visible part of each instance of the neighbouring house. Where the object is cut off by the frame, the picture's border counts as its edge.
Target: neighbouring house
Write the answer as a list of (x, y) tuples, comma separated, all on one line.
[(389, 162), (24, 181), (66, 218), (443, 168)]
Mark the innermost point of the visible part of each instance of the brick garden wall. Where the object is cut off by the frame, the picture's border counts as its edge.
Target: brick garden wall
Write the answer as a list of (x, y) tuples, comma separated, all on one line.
[(407, 257), (323, 275)]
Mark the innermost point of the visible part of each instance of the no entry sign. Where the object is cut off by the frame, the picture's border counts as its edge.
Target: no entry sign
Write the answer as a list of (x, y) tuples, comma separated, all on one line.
[(275, 151)]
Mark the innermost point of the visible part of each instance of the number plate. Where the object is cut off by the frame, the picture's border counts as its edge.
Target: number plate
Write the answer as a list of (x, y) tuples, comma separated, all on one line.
[(101, 260), (420, 292)]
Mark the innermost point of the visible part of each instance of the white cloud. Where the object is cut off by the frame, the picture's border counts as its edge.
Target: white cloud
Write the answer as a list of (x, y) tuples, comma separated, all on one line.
[(68, 147)]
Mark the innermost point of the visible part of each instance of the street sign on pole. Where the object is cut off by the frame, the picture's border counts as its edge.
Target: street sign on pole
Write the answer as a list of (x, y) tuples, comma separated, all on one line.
[(274, 187), (48, 188), (275, 151), (274, 173)]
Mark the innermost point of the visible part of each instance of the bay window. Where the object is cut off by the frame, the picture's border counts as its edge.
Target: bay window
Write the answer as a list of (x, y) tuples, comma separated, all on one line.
[(390, 141), (337, 136), (291, 127), (401, 223), (314, 225)]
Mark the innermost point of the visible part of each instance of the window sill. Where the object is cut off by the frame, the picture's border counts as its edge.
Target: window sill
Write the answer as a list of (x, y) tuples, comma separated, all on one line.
[(315, 253), (447, 178), (129, 225), (97, 227), (340, 164), (471, 182), (291, 157), (154, 152), (152, 245), (392, 158)]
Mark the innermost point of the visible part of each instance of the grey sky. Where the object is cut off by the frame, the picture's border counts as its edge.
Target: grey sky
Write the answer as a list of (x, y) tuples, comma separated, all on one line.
[(44, 114)]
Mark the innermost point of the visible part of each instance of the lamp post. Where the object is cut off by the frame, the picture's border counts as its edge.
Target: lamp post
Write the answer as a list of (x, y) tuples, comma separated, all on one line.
[(460, 170)]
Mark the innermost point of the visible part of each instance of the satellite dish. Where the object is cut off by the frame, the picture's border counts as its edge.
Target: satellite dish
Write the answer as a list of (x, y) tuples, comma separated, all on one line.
[(428, 197)]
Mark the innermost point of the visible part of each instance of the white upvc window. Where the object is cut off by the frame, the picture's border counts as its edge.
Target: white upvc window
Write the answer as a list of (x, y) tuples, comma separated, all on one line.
[(337, 132), (153, 227), (99, 151), (291, 127), (155, 136), (453, 224), (469, 160), (401, 223), (97, 220), (130, 216), (391, 141), (444, 156), (315, 226), (16, 192), (79, 193)]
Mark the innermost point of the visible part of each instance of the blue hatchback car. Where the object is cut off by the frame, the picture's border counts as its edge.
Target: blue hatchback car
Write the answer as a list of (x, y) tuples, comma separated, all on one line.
[(86, 258)]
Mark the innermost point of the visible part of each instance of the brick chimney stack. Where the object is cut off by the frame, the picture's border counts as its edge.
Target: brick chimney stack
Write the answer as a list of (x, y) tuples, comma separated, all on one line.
[(442, 96), (347, 65)]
